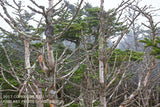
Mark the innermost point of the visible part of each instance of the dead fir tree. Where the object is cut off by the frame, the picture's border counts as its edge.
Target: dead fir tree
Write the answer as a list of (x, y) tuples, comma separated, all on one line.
[(146, 86), (29, 80)]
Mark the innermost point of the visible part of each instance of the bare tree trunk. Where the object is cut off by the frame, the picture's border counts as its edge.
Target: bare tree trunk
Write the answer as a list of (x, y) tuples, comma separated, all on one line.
[(27, 63), (101, 58), (27, 56), (28, 67), (49, 37)]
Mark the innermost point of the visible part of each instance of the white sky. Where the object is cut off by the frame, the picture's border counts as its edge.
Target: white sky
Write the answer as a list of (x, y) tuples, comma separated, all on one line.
[(108, 4)]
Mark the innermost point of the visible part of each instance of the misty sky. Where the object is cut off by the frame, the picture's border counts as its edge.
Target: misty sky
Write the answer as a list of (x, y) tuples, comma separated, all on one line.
[(108, 4)]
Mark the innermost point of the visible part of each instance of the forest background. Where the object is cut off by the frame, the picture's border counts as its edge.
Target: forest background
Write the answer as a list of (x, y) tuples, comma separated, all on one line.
[(79, 55)]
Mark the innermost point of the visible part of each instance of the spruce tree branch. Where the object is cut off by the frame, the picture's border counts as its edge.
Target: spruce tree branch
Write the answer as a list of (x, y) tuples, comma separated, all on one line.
[(68, 26)]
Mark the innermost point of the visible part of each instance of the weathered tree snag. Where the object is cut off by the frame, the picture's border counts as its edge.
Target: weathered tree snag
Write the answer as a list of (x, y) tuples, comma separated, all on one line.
[(101, 57), (50, 56), (49, 37), (27, 64), (27, 56), (144, 80)]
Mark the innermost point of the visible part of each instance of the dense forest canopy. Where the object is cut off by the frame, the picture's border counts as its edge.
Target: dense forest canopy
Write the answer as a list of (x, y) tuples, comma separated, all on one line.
[(78, 55)]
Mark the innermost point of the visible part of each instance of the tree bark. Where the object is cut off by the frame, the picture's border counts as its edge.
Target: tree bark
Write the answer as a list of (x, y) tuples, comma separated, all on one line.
[(101, 57), (28, 66), (27, 56), (52, 90), (27, 63)]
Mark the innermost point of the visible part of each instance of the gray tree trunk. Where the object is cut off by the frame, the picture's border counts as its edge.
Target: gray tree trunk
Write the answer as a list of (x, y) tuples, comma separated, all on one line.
[(101, 58)]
